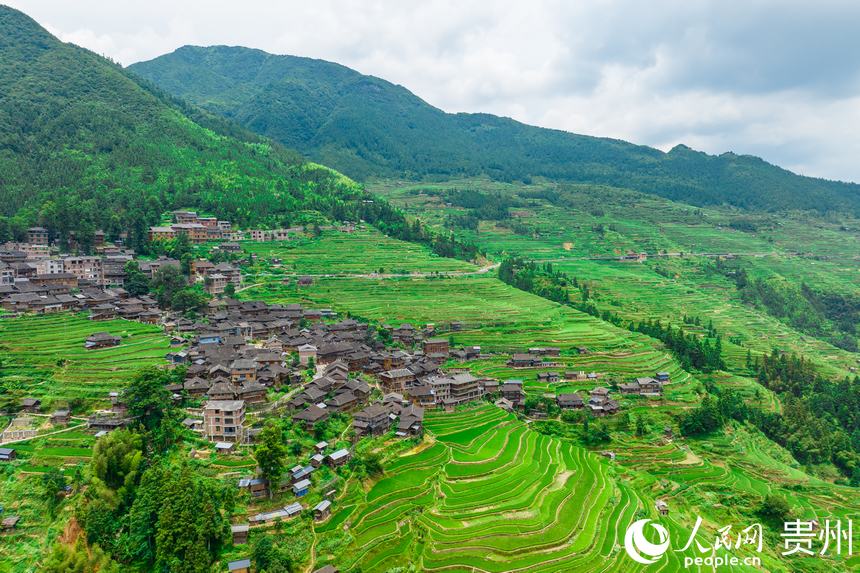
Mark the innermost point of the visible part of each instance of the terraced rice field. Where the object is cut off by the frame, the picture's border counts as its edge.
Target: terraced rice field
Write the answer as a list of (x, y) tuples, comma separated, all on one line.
[(637, 292), (486, 493), (44, 356), (364, 251), (495, 316), (588, 221)]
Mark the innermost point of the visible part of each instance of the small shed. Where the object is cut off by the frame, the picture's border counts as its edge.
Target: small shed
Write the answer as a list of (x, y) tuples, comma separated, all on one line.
[(239, 566), (322, 510), (301, 488), (225, 447), (662, 507), (31, 405), (101, 340), (339, 457), (257, 487), (61, 417), (504, 404), (321, 446), (293, 509), (7, 454), (240, 533)]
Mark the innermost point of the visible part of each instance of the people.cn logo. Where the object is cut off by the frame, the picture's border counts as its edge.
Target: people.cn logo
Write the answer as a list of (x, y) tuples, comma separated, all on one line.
[(640, 549)]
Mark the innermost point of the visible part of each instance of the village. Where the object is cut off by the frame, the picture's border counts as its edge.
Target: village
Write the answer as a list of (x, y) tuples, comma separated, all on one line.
[(246, 361)]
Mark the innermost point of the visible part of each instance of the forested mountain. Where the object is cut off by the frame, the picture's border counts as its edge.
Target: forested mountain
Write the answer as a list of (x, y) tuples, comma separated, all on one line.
[(86, 145), (365, 126)]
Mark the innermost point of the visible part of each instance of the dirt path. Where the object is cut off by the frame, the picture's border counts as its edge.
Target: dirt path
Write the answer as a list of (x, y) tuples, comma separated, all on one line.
[(448, 274)]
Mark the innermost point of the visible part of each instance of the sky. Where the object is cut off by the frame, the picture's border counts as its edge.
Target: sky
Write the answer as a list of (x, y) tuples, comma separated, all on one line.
[(775, 78)]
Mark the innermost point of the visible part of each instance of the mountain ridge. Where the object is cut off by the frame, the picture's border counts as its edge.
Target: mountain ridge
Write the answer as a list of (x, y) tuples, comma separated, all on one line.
[(368, 127), (87, 145)]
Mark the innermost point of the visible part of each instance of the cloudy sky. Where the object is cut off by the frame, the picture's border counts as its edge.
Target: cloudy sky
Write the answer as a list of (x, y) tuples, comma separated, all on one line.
[(779, 79)]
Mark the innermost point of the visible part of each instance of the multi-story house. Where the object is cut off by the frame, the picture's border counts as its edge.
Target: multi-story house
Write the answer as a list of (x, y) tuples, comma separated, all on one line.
[(224, 420), (86, 268)]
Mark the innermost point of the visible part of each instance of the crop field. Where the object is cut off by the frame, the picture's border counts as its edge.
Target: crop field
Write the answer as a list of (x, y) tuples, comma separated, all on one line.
[(364, 251), (631, 221), (491, 312), (495, 316), (64, 449), (578, 223), (637, 292), (489, 494), (44, 357)]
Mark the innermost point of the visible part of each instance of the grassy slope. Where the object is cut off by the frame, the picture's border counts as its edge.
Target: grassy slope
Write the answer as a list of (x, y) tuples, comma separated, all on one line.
[(365, 251)]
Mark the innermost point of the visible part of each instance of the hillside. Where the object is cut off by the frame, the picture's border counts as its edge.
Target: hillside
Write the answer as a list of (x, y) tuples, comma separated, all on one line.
[(83, 146), (366, 126)]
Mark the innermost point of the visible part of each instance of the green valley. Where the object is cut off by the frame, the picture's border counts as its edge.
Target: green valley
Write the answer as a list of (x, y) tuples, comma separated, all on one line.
[(265, 314)]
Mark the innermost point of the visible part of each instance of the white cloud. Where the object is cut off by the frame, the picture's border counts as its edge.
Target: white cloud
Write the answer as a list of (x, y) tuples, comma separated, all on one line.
[(773, 78)]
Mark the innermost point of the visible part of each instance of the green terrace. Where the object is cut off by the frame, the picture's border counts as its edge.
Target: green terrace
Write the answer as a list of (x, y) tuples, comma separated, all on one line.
[(488, 493), (44, 357), (364, 251)]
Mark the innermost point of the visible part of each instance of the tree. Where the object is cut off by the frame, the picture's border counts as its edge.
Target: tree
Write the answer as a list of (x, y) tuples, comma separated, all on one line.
[(572, 416), (187, 299), (136, 281), (180, 520), (78, 477), (180, 249), (168, 280), (230, 290), (597, 433), (53, 483), (368, 464), (641, 426), (151, 404), (271, 454), (78, 559), (191, 526), (775, 509), (185, 263), (269, 558), (703, 420), (117, 460)]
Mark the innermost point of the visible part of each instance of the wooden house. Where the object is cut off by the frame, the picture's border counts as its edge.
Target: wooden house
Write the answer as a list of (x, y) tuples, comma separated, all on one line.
[(322, 510), (257, 487), (339, 458), (31, 405), (569, 401), (240, 533), (101, 340), (61, 417)]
